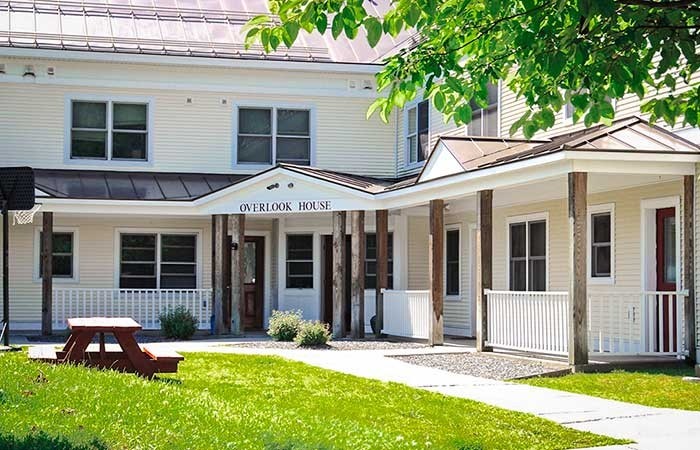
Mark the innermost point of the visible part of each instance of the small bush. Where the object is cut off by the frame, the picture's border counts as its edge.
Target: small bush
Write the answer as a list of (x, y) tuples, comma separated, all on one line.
[(313, 333), (178, 323), (284, 325)]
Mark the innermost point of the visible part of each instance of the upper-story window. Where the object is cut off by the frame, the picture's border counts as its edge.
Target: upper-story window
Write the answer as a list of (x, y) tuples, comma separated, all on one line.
[(273, 135), (417, 132), (485, 120), (109, 130)]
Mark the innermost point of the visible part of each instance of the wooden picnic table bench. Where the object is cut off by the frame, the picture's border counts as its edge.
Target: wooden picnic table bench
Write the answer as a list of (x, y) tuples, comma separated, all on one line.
[(127, 357)]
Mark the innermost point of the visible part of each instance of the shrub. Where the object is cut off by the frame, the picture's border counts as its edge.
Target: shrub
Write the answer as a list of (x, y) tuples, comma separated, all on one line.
[(313, 333), (284, 325), (178, 323)]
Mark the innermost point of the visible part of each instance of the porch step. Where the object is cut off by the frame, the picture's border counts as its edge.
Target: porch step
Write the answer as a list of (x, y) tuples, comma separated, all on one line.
[(44, 353)]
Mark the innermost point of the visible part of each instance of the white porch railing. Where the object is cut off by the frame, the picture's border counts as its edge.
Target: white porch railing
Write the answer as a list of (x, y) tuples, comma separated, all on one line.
[(528, 321), (407, 313), (651, 322), (142, 305)]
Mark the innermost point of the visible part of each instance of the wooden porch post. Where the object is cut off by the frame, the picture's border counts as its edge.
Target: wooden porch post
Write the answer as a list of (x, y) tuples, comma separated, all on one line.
[(688, 262), (237, 222), (357, 269), (46, 273), (436, 269), (578, 333), (219, 242), (484, 266), (382, 223), (339, 274)]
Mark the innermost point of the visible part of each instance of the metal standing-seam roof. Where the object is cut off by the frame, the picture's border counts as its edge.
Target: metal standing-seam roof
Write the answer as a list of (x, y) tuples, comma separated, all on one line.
[(208, 28), (116, 185)]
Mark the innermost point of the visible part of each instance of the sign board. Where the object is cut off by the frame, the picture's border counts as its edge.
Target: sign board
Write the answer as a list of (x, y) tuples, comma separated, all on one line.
[(285, 206)]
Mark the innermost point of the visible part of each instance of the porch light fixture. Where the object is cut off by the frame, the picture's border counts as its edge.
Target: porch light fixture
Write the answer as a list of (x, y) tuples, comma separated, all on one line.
[(234, 246), (29, 72), (290, 185), (273, 186)]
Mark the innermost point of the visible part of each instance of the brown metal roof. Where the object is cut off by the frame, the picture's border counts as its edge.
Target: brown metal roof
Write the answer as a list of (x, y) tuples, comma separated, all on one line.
[(113, 185), (370, 185)]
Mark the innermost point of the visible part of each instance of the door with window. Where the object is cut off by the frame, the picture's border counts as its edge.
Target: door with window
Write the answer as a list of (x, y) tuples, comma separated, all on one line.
[(253, 273), (666, 279)]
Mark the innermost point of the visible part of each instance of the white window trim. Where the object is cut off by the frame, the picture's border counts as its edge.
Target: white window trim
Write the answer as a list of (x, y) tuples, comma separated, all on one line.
[(245, 167), (465, 128), (76, 254), (454, 227), (534, 217), (157, 231), (593, 210), (109, 99), (408, 165)]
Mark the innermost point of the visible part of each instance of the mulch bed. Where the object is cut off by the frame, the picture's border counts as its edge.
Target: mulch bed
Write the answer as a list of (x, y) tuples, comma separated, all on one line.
[(483, 365)]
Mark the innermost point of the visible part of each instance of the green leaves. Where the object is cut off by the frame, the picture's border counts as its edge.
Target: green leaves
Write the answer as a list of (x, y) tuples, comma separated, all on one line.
[(588, 52), (374, 30)]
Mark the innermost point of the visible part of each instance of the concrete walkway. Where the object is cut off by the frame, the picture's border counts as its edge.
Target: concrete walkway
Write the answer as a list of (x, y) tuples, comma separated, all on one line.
[(650, 428)]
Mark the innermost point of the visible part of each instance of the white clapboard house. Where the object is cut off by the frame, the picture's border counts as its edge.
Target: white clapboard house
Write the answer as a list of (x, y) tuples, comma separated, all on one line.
[(175, 166)]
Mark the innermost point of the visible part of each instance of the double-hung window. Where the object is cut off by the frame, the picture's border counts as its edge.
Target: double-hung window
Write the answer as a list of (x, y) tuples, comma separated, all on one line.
[(485, 120), (601, 233), (371, 261), (527, 259), (417, 132), (452, 253), (273, 135), (109, 130), (158, 261), (62, 255), (300, 261)]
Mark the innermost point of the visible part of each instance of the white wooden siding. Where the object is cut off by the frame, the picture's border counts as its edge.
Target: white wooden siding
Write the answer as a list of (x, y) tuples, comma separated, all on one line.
[(196, 136), (457, 312)]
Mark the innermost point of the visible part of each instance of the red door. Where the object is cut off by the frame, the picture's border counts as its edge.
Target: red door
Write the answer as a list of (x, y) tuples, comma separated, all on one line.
[(666, 278)]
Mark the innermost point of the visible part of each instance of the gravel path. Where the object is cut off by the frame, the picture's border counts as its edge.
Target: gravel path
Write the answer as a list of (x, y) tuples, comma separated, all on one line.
[(482, 365), (341, 344)]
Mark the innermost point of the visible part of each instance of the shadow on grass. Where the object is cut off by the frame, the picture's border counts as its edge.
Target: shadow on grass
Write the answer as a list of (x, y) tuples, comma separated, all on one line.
[(174, 381), (42, 441)]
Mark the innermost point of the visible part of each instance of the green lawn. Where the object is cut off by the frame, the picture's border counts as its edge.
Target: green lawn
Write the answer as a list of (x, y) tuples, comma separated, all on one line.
[(251, 402), (660, 388)]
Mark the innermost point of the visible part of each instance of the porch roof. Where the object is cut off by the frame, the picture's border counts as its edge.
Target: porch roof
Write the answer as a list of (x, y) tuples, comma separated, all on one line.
[(455, 154), (120, 185)]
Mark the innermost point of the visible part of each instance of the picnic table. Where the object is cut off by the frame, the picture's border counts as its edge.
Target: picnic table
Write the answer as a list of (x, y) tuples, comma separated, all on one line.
[(126, 357)]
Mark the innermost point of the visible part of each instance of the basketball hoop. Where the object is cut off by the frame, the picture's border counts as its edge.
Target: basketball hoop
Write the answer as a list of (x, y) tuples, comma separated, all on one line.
[(26, 216)]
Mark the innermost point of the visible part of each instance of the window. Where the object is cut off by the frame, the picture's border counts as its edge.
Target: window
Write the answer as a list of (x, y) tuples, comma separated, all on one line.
[(158, 261), (417, 132), (300, 264), (269, 135), (109, 130), (452, 254), (485, 120), (371, 261), (62, 255), (601, 226), (527, 265)]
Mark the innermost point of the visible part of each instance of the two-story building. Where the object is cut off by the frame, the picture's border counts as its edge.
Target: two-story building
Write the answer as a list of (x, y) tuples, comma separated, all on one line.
[(174, 166)]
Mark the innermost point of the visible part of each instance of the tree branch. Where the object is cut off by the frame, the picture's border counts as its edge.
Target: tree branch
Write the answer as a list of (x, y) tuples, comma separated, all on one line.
[(660, 4)]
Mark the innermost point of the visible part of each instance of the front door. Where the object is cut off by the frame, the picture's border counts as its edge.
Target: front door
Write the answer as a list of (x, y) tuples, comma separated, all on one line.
[(666, 278), (253, 278)]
